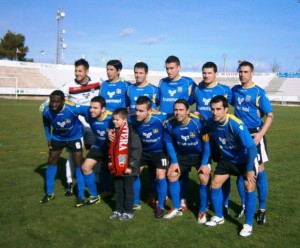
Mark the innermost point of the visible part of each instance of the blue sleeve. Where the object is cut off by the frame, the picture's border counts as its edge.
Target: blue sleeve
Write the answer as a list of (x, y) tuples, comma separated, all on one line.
[(206, 152), (47, 128), (169, 146), (252, 155), (192, 95), (229, 95)]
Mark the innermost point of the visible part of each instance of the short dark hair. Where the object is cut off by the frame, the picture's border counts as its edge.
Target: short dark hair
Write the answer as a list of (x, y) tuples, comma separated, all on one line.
[(246, 63), (122, 112), (210, 65), (172, 59), (100, 100), (58, 93), (115, 63), (82, 62), (144, 100), (182, 101), (219, 98), (141, 65)]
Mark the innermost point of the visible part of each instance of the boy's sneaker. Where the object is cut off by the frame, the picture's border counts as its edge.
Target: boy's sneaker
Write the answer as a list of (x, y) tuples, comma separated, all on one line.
[(173, 213), (202, 218), (47, 198), (93, 200), (137, 207), (79, 202), (246, 231), (214, 221), (126, 216), (159, 213), (261, 217), (242, 212), (115, 215), (69, 190), (183, 205)]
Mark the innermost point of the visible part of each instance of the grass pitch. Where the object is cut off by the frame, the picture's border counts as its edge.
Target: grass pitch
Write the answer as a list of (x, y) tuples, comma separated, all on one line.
[(26, 223)]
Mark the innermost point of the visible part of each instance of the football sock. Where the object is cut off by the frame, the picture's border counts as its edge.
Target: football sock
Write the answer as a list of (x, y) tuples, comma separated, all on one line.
[(50, 178), (90, 181), (250, 207), (203, 198), (241, 189), (217, 199), (174, 188), (262, 189), (80, 182), (226, 192), (161, 188), (137, 190), (184, 185)]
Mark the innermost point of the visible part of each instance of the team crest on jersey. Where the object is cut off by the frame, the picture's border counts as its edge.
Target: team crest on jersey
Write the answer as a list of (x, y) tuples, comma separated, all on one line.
[(155, 130), (179, 89), (206, 101), (192, 135), (240, 100), (185, 138), (248, 98), (147, 135), (110, 94), (118, 91), (67, 121), (172, 92)]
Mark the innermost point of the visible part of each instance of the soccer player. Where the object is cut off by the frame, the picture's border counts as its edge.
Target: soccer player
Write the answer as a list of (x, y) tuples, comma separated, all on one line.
[(204, 92), (142, 87), (174, 86), (149, 127), (238, 154), (66, 131), (248, 99), (125, 152), (100, 121), (114, 90), (79, 91), (187, 147)]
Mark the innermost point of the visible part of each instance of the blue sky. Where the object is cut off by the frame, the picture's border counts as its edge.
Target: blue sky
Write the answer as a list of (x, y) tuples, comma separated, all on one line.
[(196, 31)]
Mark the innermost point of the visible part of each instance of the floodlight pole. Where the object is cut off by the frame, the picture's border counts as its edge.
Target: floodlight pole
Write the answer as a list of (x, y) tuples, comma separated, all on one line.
[(60, 14), (224, 65)]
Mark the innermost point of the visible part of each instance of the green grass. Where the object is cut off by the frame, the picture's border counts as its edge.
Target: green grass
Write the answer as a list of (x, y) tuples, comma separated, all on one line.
[(26, 223)]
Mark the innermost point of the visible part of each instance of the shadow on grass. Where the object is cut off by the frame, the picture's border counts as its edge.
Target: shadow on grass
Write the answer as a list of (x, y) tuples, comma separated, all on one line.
[(61, 171)]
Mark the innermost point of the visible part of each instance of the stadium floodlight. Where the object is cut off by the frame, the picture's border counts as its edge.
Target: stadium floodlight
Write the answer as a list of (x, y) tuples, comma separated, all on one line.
[(60, 14)]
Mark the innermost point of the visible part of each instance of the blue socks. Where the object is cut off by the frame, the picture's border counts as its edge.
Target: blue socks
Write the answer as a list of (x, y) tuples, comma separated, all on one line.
[(90, 181), (137, 190), (203, 198), (80, 182), (50, 178), (250, 207), (262, 189), (161, 188), (174, 188), (217, 199)]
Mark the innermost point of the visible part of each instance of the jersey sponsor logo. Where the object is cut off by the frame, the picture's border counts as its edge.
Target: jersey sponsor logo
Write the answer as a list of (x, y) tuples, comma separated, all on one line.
[(61, 124), (206, 101), (101, 133), (240, 100), (172, 92), (113, 100), (223, 141), (242, 108), (147, 135), (185, 138), (111, 94), (165, 99)]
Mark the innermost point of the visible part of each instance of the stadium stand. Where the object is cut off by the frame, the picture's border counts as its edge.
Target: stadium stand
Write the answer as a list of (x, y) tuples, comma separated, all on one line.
[(37, 79)]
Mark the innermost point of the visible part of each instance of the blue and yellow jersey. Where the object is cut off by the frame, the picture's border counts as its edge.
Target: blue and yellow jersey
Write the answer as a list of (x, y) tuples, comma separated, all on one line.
[(183, 139), (151, 132), (63, 125), (247, 101), (115, 94), (100, 128), (170, 91), (149, 90), (203, 95), (232, 138)]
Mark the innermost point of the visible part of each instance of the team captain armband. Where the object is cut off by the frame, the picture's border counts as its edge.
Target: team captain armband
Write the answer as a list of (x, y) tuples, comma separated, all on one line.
[(205, 137)]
